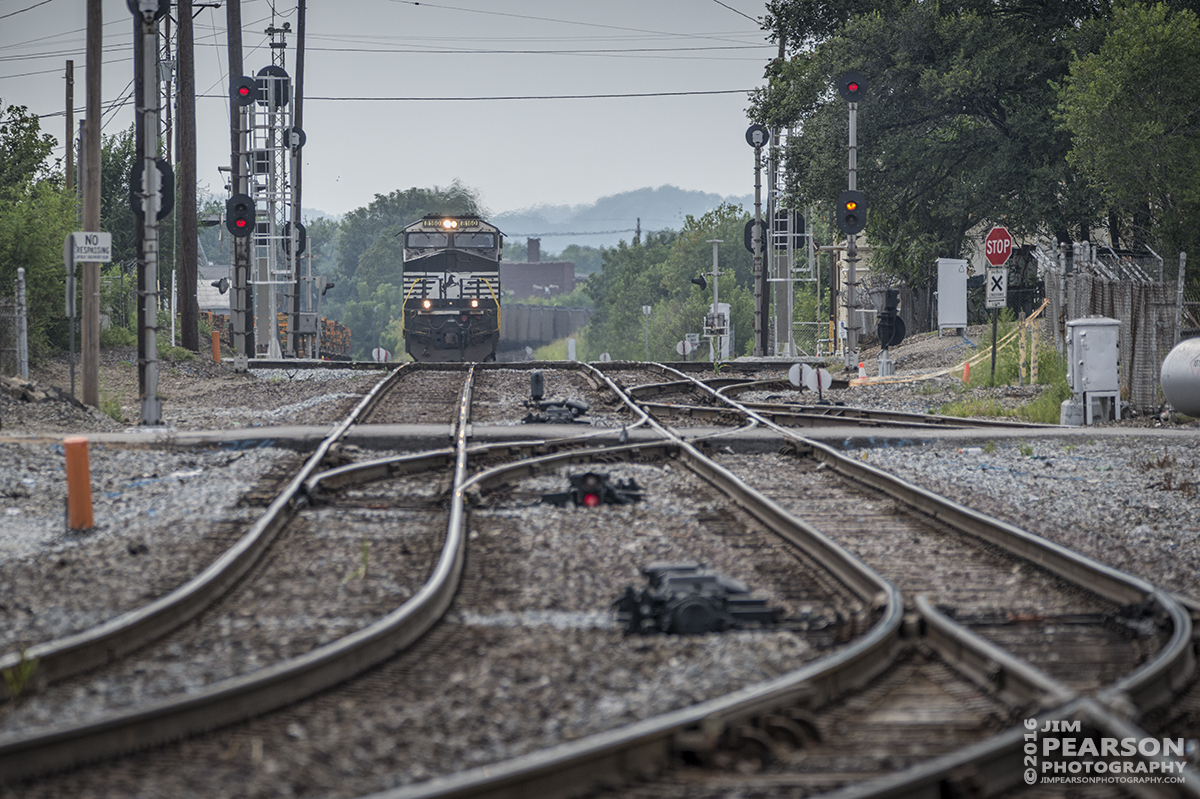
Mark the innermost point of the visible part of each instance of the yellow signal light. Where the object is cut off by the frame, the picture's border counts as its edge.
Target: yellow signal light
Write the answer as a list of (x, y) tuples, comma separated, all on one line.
[(851, 205)]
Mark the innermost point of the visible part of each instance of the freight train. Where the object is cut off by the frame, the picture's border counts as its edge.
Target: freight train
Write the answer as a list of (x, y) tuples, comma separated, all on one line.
[(452, 294)]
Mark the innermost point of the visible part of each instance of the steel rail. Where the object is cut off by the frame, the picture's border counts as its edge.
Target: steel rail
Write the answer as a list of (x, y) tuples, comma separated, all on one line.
[(642, 748), (29, 753), (1154, 682), (113, 639)]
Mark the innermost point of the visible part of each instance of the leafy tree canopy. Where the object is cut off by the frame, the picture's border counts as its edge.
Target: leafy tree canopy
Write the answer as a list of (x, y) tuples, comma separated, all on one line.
[(955, 130), (363, 228), (26, 149), (1133, 110)]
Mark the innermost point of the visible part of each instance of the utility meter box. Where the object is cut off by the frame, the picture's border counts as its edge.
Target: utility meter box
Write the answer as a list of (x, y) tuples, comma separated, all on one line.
[(1093, 354), (952, 292)]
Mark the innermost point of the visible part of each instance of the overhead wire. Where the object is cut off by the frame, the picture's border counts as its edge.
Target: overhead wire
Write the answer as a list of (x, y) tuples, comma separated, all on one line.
[(515, 97), (23, 10)]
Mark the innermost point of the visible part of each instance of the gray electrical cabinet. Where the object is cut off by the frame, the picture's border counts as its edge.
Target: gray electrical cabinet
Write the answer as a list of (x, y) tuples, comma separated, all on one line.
[(1093, 355), (952, 292)]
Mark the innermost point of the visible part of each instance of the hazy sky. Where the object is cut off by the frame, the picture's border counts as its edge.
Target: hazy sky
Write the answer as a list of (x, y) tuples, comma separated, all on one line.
[(393, 54)]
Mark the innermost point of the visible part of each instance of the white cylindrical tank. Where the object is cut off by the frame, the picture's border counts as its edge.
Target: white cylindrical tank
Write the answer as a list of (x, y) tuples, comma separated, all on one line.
[(1181, 377)]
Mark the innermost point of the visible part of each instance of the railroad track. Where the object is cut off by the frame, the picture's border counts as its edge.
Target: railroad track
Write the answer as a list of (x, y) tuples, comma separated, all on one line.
[(866, 613), (684, 401), (1154, 669)]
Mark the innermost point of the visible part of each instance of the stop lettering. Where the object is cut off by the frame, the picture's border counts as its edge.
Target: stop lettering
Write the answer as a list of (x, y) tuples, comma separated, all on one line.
[(997, 246)]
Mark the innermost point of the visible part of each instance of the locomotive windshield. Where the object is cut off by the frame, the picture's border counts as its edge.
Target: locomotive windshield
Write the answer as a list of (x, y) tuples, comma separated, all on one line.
[(480, 241), (423, 239)]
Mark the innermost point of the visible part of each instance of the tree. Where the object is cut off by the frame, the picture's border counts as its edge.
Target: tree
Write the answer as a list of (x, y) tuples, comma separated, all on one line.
[(35, 217), (26, 150), (955, 131), (1133, 111), (386, 214)]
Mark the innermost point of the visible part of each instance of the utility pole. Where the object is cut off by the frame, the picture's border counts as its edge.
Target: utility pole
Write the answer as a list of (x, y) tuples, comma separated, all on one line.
[(90, 338), (189, 308), (145, 15), (69, 141)]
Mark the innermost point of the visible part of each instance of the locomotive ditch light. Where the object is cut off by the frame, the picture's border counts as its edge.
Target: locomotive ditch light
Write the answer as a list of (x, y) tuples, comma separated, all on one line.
[(474, 303), (427, 304)]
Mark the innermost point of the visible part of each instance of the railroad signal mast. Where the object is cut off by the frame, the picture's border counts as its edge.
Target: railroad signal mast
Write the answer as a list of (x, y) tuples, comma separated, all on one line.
[(852, 213), (268, 149)]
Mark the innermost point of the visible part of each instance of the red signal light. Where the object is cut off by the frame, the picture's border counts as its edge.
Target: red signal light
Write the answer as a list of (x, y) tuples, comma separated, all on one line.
[(240, 222), (591, 500), (853, 87)]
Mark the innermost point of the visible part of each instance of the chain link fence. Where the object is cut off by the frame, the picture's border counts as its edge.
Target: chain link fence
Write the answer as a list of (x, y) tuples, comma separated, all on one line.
[(1145, 294)]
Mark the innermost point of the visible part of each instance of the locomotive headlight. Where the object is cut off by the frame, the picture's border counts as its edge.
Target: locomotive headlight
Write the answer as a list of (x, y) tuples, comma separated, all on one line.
[(427, 304), (474, 303), (449, 224)]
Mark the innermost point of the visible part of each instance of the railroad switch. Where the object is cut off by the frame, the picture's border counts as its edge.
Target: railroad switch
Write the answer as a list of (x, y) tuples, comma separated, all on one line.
[(685, 599)]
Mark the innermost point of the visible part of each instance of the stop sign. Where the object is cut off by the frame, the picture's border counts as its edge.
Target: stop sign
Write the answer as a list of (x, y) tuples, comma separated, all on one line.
[(998, 246)]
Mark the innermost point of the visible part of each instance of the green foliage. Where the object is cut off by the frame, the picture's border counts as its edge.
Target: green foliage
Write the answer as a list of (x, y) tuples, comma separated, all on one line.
[(587, 260), (364, 559), (26, 151), (579, 298), (955, 130), (116, 336), (16, 678), (658, 272), (374, 319), (35, 219), (363, 228), (1131, 110), (117, 156)]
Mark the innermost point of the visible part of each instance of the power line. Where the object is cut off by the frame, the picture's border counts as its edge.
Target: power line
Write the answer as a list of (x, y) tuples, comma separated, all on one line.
[(734, 10), (514, 97), (575, 233), (23, 10), (430, 51), (548, 19)]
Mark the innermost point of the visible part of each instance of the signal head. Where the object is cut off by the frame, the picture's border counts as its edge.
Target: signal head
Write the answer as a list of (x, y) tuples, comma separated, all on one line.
[(851, 212), (239, 215), (852, 86), (243, 91)]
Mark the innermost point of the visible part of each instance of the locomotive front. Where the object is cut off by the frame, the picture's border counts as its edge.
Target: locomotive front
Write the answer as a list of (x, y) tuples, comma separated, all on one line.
[(452, 289)]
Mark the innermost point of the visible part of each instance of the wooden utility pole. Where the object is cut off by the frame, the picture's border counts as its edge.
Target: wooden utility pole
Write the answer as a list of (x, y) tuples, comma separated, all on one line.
[(90, 339), (69, 141), (189, 308)]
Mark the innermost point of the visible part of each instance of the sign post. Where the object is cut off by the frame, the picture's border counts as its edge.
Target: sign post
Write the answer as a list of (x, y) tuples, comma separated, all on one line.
[(82, 247), (997, 247)]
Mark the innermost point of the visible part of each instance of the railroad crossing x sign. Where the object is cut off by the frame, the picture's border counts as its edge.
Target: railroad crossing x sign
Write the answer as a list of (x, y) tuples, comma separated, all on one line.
[(997, 287)]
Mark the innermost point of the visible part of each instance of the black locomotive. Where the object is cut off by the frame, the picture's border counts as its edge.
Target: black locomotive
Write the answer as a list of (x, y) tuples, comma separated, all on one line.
[(452, 289)]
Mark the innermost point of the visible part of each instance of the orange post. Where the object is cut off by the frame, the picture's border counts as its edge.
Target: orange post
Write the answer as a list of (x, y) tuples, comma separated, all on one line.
[(216, 346), (79, 484)]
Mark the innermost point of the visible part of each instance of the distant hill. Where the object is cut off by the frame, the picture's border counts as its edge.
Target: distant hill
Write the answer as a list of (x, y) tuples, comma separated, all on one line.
[(610, 219)]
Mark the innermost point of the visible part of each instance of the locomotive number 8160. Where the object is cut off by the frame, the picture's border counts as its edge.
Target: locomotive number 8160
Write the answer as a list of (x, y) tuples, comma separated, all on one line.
[(452, 289)]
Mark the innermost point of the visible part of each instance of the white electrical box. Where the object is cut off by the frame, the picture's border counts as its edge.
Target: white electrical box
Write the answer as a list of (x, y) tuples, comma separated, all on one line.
[(1093, 354), (952, 292)]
